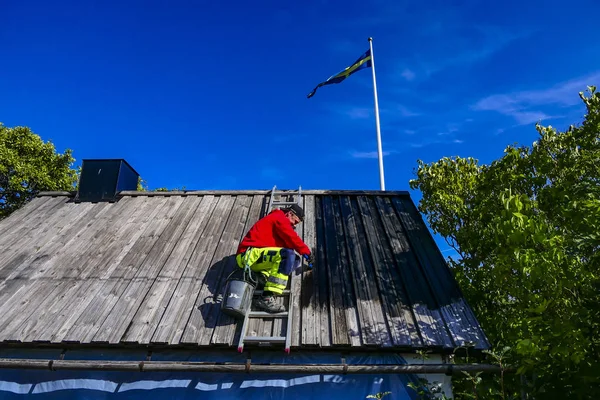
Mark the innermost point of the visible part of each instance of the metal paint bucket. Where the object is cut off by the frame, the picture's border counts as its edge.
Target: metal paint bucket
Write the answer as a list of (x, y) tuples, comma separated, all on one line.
[(238, 298)]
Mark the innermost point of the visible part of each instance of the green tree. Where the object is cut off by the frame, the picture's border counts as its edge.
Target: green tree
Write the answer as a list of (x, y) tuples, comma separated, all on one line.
[(526, 228), (29, 165), (142, 185)]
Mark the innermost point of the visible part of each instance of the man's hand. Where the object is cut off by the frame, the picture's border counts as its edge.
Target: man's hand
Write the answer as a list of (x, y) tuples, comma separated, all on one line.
[(310, 260)]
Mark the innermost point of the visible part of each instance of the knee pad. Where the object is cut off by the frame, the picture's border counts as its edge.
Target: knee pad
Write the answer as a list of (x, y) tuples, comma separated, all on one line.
[(286, 266)]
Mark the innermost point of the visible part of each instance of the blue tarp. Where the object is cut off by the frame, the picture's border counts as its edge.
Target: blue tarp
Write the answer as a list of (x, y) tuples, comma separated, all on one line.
[(47, 385)]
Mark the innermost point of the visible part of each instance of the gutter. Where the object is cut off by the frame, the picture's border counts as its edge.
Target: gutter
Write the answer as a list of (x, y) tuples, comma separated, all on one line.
[(171, 366)]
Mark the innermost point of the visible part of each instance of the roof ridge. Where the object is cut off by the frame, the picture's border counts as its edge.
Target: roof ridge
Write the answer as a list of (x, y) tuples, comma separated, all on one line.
[(238, 192)]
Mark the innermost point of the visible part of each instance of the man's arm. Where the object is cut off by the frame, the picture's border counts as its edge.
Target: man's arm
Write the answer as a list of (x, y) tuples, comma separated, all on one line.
[(291, 238)]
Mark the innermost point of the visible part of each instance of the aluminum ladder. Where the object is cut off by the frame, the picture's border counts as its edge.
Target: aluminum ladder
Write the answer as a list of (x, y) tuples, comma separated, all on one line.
[(274, 201)]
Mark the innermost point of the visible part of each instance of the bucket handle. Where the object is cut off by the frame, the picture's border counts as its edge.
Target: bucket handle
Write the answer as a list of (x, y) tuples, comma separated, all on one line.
[(247, 274), (247, 270)]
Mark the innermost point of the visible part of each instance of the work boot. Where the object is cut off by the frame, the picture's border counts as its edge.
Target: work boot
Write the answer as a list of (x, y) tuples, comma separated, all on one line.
[(268, 304)]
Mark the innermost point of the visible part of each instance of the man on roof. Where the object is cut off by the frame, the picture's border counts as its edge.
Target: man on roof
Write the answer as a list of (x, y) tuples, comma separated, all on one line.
[(268, 248)]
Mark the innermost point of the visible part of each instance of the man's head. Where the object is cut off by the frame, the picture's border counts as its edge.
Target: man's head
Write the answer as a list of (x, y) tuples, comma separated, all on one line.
[(295, 214)]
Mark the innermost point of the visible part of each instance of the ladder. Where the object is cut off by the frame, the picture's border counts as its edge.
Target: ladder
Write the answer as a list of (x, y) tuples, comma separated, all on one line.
[(277, 199)]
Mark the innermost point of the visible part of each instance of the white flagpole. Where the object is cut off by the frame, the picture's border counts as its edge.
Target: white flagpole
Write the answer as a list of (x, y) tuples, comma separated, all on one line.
[(379, 152)]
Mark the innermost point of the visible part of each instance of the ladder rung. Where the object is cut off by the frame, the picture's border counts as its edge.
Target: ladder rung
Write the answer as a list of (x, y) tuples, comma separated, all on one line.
[(266, 314), (290, 192), (284, 203), (265, 339)]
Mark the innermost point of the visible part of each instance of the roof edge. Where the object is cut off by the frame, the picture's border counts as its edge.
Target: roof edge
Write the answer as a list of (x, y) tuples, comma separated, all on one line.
[(241, 192), (56, 193), (176, 348)]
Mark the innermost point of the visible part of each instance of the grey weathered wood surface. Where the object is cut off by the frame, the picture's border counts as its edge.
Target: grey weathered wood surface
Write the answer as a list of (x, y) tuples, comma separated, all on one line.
[(52, 313), (308, 298), (373, 329), (398, 254), (159, 290), (53, 236), (340, 327), (175, 220), (148, 269), (223, 264), (47, 245), (296, 282), (206, 311), (18, 225), (19, 218), (452, 304), (29, 302), (28, 237), (349, 295), (389, 285), (321, 274), (192, 327), (119, 273), (225, 333), (427, 307), (221, 334), (121, 234), (171, 326)]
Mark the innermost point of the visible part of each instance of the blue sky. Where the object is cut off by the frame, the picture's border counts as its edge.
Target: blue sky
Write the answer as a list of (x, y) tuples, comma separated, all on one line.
[(212, 95)]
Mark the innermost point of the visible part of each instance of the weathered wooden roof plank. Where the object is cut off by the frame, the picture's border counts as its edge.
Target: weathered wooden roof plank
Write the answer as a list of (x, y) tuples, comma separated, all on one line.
[(55, 312), (176, 219), (348, 288), (388, 281), (42, 228), (420, 295), (339, 325), (176, 314), (226, 327), (158, 291), (148, 269), (223, 264), (308, 293), (321, 274), (445, 291), (20, 218), (25, 222), (193, 329), (30, 303), (82, 255), (117, 273), (373, 329), (117, 237)]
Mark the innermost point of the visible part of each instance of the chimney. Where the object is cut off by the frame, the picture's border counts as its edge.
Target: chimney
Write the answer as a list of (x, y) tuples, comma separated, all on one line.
[(102, 180)]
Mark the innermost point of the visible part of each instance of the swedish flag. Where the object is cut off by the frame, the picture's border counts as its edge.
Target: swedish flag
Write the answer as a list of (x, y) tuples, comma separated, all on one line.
[(363, 62)]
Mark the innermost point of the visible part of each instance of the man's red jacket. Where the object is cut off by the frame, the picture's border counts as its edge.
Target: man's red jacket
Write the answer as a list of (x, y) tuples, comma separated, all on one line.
[(274, 230)]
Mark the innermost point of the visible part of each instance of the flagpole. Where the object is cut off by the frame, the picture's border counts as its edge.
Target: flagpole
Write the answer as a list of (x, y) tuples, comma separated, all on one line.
[(379, 152)]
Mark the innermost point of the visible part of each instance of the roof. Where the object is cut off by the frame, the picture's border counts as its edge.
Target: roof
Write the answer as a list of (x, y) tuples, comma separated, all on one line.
[(148, 269)]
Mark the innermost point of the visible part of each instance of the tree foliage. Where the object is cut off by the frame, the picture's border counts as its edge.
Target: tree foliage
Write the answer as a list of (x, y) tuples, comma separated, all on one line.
[(527, 229), (29, 165), (142, 185)]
